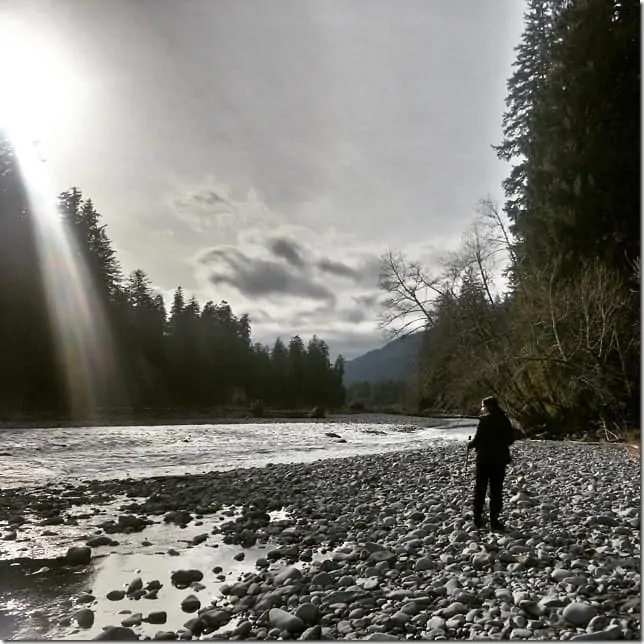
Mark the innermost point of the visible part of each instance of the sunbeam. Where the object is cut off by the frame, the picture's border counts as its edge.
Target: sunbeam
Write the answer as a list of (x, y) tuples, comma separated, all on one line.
[(36, 84), (84, 342)]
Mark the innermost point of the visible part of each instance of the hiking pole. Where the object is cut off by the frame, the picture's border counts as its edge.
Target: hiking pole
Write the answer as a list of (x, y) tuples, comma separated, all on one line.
[(467, 452)]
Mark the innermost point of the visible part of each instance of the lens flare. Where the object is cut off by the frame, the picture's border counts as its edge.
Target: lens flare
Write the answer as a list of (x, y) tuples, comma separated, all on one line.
[(84, 342), (41, 91)]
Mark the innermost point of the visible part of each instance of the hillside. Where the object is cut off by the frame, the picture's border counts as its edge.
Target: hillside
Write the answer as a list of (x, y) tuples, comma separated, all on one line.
[(395, 361)]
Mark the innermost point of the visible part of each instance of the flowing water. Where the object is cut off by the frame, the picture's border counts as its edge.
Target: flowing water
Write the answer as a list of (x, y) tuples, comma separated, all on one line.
[(39, 456)]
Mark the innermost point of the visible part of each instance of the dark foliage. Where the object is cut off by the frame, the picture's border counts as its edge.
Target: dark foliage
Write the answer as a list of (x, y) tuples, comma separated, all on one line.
[(77, 338)]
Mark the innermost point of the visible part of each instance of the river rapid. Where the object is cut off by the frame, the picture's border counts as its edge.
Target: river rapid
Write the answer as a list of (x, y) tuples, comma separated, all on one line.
[(35, 457)]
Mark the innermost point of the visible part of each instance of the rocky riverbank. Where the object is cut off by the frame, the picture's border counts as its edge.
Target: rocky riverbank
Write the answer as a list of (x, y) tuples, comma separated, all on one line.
[(370, 547)]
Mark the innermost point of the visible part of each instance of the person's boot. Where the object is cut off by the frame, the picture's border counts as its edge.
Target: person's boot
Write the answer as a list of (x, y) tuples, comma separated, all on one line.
[(496, 525), (478, 522)]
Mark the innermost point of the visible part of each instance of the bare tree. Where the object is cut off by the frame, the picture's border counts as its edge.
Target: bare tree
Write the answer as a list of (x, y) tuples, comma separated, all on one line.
[(411, 293)]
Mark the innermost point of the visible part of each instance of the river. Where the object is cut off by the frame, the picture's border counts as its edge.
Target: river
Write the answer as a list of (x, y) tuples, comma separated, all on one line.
[(34, 457)]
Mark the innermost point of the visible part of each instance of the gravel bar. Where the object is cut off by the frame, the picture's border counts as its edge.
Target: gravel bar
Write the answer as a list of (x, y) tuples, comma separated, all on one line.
[(382, 547)]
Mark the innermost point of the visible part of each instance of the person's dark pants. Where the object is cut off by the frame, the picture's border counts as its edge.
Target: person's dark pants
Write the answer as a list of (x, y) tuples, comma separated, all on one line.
[(491, 474)]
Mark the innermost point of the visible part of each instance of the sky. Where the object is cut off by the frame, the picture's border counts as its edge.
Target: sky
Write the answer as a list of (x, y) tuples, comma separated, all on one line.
[(268, 152)]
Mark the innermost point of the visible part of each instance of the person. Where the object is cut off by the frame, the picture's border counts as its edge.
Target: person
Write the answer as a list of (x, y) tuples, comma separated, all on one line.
[(492, 441)]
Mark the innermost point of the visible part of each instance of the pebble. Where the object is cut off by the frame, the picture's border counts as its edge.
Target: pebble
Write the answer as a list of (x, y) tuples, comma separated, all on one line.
[(118, 634), (578, 613), (400, 558), (285, 621), (85, 618), (135, 619), (190, 604)]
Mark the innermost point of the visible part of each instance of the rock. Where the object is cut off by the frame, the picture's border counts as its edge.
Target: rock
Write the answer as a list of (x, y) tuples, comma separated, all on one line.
[(381, 555), (436, 623), (243, 628), (559, 574), (180, 517), (85, 618), (183, 578), (200, 538), (78, 556), (136, 619), (312, 633), (309, 613), (132, 523), (165, 635), (157, 617), (520, 634), (455, 622), (579, 614), (118, 634), (101, 540), (135, 585), (214, 618), (382, 637), (552, 602), (425, 563), (116, 595), (190, 604), (286, 574), (322, 579), (285, 621), (340, 597), (195, 626), (531, 607), (611, 633), (85, 598), (454, 608)]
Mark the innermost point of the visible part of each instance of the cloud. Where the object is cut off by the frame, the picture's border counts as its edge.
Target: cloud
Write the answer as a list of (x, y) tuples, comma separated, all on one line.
[(290, 277), (260, 278), (208, 198), (338, 268), (287, 249)]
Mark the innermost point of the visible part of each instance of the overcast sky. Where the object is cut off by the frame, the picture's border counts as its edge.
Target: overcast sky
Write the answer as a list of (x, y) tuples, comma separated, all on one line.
[(267, 152)]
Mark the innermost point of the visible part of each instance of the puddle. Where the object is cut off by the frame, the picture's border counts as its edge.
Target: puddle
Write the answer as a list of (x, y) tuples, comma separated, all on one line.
[(38, 606), (118, 570)]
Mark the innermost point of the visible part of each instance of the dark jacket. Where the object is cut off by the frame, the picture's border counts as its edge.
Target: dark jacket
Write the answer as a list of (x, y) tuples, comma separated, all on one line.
[(493, 438)]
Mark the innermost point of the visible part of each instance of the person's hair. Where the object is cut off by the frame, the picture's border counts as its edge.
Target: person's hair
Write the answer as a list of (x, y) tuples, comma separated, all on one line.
[(491, 403)]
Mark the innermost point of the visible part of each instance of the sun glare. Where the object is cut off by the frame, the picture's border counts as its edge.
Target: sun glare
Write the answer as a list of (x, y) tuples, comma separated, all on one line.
[(37, 96), (40, 87), (79, 324)]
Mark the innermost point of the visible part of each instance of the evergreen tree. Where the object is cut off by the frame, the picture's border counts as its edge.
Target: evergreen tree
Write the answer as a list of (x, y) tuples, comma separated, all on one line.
[(280, 374)]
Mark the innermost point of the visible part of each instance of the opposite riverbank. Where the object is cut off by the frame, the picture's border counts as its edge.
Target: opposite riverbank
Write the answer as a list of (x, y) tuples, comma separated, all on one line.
[(209, 417), (375, 547)]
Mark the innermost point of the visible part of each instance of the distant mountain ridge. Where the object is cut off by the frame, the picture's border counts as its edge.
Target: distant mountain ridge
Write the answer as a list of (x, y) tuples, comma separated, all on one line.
[(394, 361)]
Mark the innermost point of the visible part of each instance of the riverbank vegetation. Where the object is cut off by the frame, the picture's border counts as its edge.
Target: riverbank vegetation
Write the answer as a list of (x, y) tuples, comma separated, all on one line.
[(69, 314), (560, 345)]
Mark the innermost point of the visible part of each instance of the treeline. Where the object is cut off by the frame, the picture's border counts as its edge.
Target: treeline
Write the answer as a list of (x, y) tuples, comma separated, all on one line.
[(76, 336), (380, 394), (561, 345)]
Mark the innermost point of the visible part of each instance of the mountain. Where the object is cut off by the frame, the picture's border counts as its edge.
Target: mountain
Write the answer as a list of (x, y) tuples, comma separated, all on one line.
[(395, 361)]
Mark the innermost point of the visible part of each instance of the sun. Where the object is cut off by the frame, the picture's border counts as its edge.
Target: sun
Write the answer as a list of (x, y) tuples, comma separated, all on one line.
[(39, 83)]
